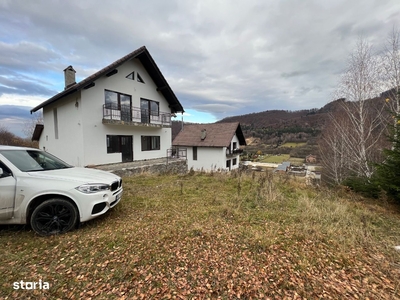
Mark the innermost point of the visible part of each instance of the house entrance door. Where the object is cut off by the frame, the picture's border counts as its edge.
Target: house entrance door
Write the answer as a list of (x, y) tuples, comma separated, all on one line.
[(126, 148), (228, 164)]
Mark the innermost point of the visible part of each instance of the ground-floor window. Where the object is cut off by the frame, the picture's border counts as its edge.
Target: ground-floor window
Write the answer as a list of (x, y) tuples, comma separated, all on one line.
[(234, 161), (150, 143), (228, 164), (113, 144), (194, 153), (121, 144)]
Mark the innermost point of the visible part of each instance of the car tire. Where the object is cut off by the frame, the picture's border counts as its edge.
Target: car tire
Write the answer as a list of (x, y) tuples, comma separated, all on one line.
[(54, 216)]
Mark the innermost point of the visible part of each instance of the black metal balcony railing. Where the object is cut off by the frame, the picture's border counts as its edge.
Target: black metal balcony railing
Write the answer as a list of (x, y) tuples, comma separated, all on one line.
[(177, 152), (129, 114), (230, 152)]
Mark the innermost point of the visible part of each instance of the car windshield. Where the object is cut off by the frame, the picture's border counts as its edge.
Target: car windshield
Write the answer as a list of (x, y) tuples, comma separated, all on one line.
[(34, 160)]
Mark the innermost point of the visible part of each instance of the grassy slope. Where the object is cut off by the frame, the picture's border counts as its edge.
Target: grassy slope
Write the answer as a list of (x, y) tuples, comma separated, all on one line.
[(227, 236), (276, 158), (293, 145)]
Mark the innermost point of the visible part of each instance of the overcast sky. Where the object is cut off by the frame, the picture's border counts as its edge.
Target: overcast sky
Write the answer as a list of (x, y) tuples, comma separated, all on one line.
[(221, 58)]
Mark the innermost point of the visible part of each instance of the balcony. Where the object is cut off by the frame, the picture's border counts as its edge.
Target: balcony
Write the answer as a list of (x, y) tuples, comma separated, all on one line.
[(134, 116), (234, 152)]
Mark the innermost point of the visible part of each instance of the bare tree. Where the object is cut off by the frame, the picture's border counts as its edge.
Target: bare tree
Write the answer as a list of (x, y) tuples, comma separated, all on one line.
[(30, 124), (356, 134), (391, 76), (391, 68), (6, 137), (334, 153)]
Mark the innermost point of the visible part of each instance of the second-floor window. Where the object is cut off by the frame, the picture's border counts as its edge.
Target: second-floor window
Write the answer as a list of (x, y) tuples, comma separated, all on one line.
[(148, 108), (115, 100), (118, 105)]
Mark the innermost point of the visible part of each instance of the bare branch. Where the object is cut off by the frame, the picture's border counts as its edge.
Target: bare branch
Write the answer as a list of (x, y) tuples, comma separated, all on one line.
[(30, 124), (357, 127)]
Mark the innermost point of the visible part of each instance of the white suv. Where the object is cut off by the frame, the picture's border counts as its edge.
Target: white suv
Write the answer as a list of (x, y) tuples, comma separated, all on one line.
[(39, 189)]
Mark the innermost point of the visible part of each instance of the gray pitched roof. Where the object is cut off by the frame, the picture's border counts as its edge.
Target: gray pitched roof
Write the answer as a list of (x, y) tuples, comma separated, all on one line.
[(145, 58), (217, 135)]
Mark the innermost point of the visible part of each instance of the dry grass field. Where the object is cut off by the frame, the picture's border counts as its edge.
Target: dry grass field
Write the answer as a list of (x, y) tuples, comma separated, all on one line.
[(215, 236)]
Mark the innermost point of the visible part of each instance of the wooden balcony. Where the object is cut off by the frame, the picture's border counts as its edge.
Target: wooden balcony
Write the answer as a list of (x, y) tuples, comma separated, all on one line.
[(134, 116)]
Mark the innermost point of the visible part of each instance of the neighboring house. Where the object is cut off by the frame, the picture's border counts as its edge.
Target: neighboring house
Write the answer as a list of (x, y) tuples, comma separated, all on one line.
[(211, 147), (283, 167), (311, 158), (121, 113)]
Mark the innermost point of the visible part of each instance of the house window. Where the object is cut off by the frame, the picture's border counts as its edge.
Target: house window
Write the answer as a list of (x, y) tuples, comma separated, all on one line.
[(121, 144), (113, 144), (148, 108), (118, 105), (194, 153), (115, 100), (150, 143), (234, 161), (131, 76), (139, 78), (234, 146), (228, 164)]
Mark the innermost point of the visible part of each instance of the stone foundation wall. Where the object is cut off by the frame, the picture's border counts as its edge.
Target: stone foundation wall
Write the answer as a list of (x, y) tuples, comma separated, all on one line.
[(174, 167)]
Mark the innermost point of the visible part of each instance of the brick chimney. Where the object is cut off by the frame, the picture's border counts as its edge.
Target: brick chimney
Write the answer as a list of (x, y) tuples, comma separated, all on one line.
[(69, 76)]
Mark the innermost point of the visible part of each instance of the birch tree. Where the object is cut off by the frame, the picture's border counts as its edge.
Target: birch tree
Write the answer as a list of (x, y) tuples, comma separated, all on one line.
[(333, 151), (391, 76), (361, 126)]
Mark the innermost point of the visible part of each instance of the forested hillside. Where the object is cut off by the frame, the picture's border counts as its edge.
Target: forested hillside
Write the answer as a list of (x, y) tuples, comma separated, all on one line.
[(279, 126), (275, 127)]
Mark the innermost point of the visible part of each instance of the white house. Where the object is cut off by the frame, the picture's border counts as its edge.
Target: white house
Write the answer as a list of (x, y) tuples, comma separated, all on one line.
[(121, 113), (211, 147)]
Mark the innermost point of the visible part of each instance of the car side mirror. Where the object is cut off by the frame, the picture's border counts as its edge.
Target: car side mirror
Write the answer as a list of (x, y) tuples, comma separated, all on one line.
[(1, 172)]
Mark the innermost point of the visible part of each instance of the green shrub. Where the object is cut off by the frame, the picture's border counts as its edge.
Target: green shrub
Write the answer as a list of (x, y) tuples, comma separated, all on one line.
[(367, 187)]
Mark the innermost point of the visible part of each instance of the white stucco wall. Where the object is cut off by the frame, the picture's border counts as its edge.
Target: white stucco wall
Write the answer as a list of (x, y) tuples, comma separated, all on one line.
[(234, 140), (207, 159), (212, 158), (82, 135), (69, 144)]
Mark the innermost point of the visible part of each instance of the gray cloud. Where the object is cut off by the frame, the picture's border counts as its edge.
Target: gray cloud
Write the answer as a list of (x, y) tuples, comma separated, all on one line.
[(14, 111), (23, 85), (221, 57), (294, 74), (14, 118)]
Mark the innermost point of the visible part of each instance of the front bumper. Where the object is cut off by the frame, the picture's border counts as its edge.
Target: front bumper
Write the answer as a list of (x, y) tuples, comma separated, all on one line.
[(97, 204)]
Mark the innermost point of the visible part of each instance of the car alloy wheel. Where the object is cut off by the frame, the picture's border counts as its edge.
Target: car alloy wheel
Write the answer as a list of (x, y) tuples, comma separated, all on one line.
[(54, 216)]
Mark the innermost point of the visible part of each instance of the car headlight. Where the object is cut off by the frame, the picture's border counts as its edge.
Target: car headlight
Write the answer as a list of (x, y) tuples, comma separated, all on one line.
[(91, 188)]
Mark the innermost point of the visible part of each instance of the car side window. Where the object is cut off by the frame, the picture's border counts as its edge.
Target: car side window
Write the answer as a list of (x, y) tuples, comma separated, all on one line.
[(6, 171)]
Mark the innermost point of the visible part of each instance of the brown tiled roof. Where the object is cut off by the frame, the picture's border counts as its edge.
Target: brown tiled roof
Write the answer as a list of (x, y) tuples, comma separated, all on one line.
[(145, 58), (217, 135)]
